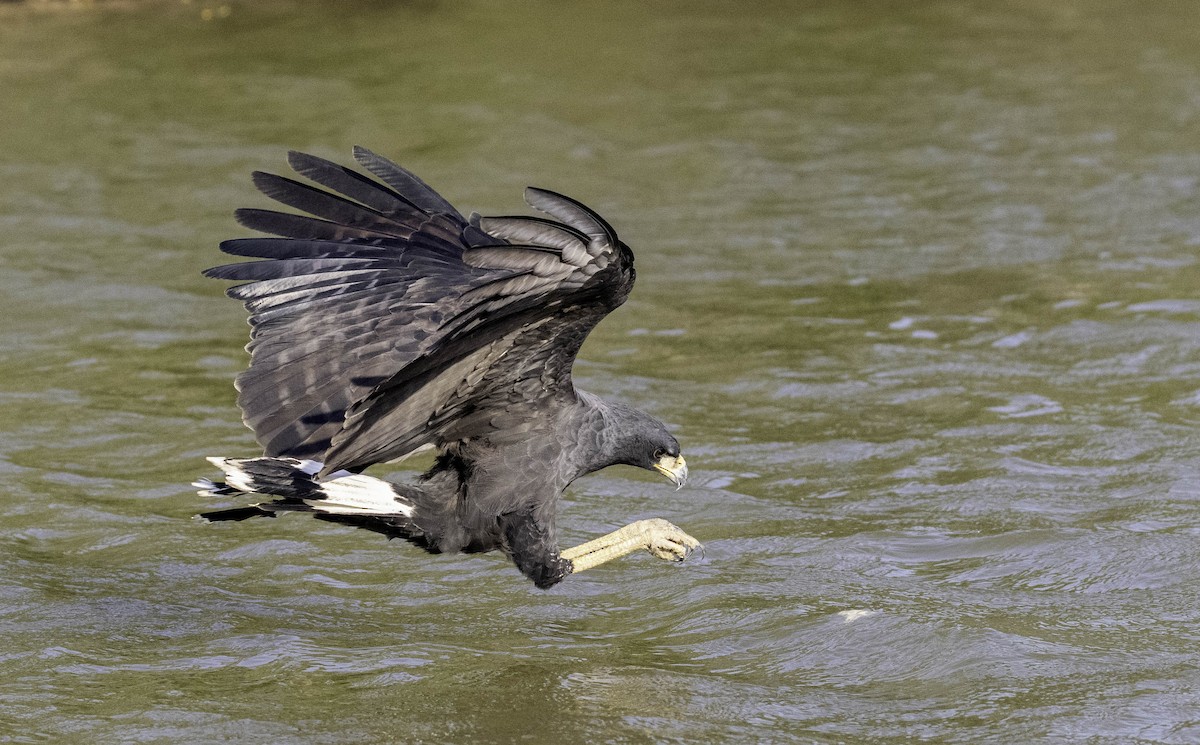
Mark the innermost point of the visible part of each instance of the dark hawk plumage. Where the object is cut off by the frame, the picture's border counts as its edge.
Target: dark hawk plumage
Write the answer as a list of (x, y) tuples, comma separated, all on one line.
[(383, 321)]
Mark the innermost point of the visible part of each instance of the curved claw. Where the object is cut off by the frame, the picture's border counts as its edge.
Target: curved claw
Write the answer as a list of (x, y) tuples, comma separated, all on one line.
[(666, 541)]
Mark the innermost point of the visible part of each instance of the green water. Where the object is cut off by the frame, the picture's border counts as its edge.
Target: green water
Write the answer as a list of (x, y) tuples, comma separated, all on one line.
[(917, 292)]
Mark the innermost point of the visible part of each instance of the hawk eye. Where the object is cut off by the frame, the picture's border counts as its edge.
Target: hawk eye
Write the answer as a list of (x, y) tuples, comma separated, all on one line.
[(658, 454)]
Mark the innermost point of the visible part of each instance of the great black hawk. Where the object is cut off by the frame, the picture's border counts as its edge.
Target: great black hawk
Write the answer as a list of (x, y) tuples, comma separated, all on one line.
[(383, 322)]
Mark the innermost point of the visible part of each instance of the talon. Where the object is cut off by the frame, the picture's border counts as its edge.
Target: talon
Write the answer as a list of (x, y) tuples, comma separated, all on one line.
[(668, 542), (658, 537)]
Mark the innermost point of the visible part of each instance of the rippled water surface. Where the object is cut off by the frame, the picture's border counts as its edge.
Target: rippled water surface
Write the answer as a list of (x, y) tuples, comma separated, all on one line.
[(917, 292)]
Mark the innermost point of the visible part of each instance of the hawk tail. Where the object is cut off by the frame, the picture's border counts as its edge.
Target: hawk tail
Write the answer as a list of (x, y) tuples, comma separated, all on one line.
[(295, 488)]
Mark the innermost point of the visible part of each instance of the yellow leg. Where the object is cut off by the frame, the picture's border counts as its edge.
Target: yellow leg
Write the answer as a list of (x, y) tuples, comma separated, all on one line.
[(659, 537)]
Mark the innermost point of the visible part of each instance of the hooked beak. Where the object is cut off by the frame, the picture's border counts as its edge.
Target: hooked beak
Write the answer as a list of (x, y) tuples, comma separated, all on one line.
[(673, 468)]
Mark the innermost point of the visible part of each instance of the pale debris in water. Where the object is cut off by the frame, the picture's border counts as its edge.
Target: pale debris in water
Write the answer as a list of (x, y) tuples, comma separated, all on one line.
[(850, 616)]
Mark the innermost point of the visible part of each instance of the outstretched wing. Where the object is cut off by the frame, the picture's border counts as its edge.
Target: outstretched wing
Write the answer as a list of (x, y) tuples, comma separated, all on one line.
[(383, 320)]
